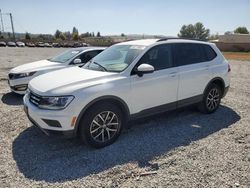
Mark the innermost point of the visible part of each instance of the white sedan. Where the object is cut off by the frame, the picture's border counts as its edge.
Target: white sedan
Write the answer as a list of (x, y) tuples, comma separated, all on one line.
[(20, 76)]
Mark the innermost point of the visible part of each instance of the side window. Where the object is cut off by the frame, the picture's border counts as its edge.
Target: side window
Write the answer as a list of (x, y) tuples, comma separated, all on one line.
[(85, 57), (210, 53), (188, 53), (159, 57)]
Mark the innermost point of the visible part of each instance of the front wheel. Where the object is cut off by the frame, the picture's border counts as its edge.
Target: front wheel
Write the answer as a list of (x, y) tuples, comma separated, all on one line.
[(101, 125), (211, 99)]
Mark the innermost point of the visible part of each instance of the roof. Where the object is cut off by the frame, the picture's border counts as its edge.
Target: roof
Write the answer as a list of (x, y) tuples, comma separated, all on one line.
[(90, 48), (143, 42), (148, 42)]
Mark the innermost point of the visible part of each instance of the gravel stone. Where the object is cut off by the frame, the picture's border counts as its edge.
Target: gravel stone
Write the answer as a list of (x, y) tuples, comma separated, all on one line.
[(185, 148)]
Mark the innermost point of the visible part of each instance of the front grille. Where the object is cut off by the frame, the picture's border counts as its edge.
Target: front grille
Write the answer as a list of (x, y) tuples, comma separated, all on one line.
[(34, 99)]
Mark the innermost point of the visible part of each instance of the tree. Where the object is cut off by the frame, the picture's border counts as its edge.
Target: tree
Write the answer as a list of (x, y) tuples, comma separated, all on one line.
[(62, 36), (27, 36), (57, 34), (75, 34), (241, 30), (228, 33), (122, 35), (196, 31), (67, 35), (98, 34), (93, 34)]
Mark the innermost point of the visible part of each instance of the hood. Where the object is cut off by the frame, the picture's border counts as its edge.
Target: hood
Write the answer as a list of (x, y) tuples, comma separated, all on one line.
[(35, 66), (65, 81)]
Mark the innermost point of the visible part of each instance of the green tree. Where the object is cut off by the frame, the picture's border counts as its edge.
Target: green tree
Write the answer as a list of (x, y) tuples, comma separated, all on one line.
[(27, 36), (98, 34), (67, 35), (241, 30), (62, 36), (196, 31), (75, 34), (122, 35), (57, 34)]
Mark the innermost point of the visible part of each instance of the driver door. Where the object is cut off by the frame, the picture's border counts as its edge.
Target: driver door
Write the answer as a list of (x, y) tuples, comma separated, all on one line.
[(157, 89)]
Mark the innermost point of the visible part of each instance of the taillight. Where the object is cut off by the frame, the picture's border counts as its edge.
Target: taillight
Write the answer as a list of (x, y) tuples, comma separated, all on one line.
[(229, 68)]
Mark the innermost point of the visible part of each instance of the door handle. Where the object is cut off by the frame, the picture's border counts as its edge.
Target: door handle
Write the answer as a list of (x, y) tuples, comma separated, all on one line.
[(173, 74)]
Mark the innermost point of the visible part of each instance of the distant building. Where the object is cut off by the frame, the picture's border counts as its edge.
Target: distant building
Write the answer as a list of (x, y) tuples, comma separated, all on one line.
[(234, 42), (235, 38)]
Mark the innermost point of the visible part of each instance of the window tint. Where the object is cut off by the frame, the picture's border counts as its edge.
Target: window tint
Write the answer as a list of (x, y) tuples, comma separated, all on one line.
[(159, 57), (85, 57), (210, 53), (189, 53)]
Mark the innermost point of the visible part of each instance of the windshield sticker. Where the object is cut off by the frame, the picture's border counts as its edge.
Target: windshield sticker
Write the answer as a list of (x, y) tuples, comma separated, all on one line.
[(137, 47)]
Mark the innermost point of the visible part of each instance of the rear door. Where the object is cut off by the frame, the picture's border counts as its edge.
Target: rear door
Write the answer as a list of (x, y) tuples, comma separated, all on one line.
[(194, 71)]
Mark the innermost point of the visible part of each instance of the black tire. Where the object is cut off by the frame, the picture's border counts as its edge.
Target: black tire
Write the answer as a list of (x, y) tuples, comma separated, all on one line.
[(211, 99), (91, 121)]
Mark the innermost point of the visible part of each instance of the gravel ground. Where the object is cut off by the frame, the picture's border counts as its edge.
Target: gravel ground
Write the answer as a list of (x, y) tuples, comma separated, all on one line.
[(183, 148)]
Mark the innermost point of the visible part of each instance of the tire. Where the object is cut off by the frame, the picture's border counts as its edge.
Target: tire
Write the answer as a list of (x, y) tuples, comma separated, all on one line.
[(211, 99), (101, 125)]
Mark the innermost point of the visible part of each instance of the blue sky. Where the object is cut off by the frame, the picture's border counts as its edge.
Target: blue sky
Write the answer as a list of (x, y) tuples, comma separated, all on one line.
[(161, 17)]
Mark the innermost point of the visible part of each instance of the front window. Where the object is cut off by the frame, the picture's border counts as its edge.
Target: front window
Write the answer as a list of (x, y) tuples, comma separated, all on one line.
[(66, 56), (115, 59)]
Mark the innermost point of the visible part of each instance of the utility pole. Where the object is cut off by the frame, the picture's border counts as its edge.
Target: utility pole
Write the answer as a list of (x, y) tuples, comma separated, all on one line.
[(1, 20), (12, 26)]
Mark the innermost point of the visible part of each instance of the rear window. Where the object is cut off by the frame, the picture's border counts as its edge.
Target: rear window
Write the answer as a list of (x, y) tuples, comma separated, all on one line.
[(189, 53), (210, 53)]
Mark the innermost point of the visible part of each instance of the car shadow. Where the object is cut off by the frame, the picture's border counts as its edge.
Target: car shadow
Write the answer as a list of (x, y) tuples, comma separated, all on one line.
[(12, 99), (54, 159)]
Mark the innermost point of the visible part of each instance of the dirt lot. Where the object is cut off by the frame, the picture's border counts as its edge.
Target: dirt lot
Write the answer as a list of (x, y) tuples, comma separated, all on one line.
[(183, 148), (243, 56)]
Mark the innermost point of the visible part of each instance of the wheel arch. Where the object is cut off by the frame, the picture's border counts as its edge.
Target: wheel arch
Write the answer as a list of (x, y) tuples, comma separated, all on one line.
[(218, 81), (108, 98)]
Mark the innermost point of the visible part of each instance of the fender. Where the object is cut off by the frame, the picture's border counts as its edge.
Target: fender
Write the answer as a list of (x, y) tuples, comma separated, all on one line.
[(121, 102)]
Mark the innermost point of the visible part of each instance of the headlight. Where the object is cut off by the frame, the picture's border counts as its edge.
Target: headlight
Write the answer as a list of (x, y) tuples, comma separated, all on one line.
[(23, 75), (55, 103)]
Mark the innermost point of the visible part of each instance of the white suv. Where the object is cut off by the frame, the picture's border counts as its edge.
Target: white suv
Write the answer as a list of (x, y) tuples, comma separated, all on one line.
[(126, 81), (20, 76)]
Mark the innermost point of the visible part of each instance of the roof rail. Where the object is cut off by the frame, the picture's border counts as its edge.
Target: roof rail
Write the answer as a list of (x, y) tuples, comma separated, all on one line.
[(169, 38)]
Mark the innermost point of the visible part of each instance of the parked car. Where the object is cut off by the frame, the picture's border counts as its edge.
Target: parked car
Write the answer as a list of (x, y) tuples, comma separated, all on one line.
[(47, 45), (2, 44), (20, 76), (20, 44), (30, 44), (11, 44), (40, 44), (126, 81), (56, 45)]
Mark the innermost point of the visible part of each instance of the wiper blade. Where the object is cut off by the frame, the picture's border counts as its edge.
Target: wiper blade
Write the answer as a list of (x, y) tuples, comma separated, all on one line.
[(100, 66)]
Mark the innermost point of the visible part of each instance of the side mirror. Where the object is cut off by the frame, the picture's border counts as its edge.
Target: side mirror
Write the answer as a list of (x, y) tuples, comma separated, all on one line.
[(77, 61), (144, 69)]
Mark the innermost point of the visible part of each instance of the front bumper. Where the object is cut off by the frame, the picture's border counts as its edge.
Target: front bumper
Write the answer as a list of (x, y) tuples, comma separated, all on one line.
[(37, 117), (19, 86)]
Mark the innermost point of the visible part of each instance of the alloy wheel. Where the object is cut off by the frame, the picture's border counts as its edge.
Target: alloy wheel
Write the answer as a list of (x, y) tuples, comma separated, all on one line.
[(213, 99), (104, 126)]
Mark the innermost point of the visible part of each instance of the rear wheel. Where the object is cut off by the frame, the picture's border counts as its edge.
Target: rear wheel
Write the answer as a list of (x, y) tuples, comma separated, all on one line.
[(101, 125), (211, 99)]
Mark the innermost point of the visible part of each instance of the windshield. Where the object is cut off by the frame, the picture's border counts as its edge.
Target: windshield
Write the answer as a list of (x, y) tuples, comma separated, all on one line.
[(115, 58), (64, 57)]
